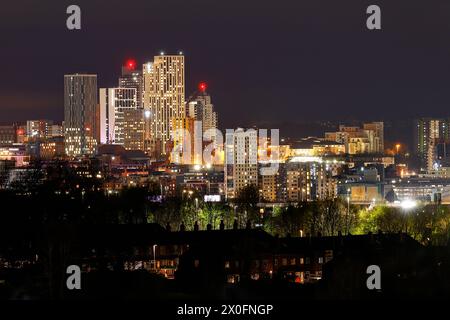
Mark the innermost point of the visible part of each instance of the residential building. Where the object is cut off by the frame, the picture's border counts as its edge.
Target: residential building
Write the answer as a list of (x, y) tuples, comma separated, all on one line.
[(164, 99), (241, 160), (81, 114)]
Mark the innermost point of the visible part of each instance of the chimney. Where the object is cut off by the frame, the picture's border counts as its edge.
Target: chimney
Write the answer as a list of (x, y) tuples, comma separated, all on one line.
[(182, 227), (235, 224), (222, 225), (209, 227), (196, 226)]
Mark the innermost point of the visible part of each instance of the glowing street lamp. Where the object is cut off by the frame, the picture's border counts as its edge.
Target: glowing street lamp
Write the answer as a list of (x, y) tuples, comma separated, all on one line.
[(407, 205), (397, 147), (154, 256), (348, 211)]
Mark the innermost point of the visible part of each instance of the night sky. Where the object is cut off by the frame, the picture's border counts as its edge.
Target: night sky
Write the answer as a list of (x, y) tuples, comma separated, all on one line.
[(284, 60)]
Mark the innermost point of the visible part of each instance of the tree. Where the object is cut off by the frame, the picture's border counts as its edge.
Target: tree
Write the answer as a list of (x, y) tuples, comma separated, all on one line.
[(167, 212), (441, 226), (132, 205), (213, 212), (247, 201), (386, 219), (333, 216), (291, 220), (420, 223), (431, 224)]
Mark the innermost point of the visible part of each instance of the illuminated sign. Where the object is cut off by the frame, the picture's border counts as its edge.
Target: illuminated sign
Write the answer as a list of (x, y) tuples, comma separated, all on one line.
[(212, 198)]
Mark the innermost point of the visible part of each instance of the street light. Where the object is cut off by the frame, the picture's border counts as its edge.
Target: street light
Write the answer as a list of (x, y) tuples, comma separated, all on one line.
[(154, 256), (406, 205), (196, 208), (397, 147), (348, 211)]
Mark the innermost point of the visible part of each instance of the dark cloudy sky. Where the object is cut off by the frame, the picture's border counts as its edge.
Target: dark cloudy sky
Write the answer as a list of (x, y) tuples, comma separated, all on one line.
[(284, 60)]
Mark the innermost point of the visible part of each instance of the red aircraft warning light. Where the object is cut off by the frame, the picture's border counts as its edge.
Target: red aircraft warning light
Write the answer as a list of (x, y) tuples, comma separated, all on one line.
[(202, 86), (130, 64)]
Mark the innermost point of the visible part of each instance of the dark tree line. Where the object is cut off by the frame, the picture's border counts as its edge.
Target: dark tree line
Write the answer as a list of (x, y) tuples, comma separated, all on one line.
[(326, 218)]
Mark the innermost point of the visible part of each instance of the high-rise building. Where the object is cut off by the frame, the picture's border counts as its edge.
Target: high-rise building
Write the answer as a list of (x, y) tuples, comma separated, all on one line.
[(309, 180), (21, 133), (121, 120), (368, 139), (443, 153), (183, 141), (107, 117), (241, 161), (51, 147), (133, 129), (132, 78), (164, 98), (8, 134), (81, 128), (39, 129), (200, 108), (430, 133), (375, 133), (56, 130), (272, 184)]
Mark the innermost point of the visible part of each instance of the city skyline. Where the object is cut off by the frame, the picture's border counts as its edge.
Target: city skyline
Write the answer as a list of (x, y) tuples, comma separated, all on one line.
[(188, 152), (345, 69), (398, 131)]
